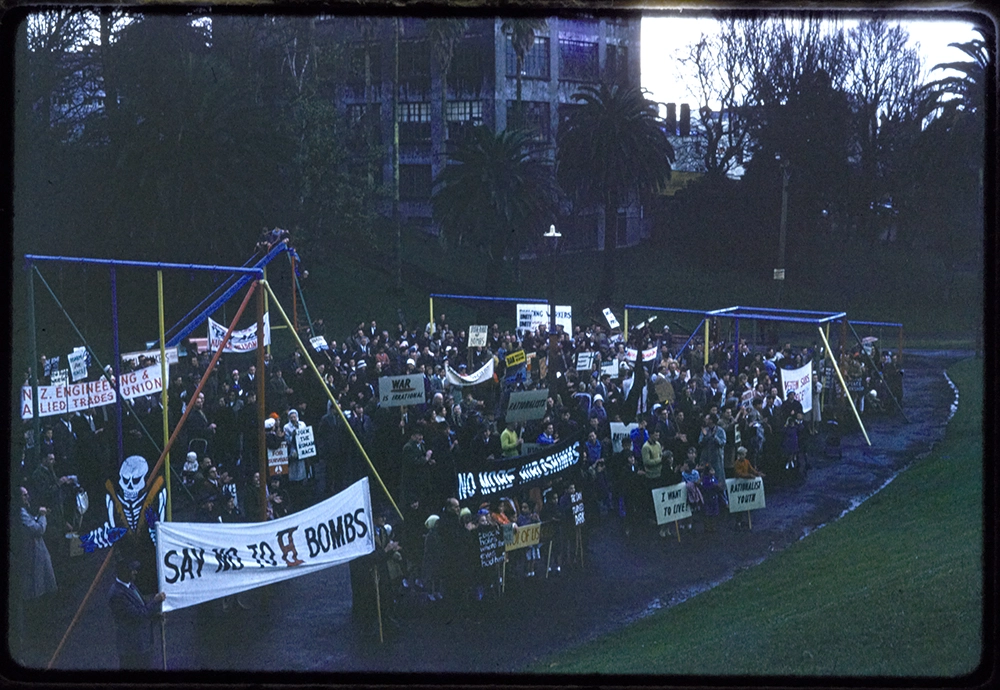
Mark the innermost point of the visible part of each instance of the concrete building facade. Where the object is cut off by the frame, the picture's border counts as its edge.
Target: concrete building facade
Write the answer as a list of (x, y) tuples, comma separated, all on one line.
[(479, 88)]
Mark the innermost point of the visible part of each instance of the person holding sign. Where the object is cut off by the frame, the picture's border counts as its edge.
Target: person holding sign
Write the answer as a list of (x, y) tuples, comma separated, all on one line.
[(510, 440)]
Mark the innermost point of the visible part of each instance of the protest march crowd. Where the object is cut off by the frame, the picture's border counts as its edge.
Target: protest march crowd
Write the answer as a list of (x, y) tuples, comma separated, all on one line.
[(631, 423)]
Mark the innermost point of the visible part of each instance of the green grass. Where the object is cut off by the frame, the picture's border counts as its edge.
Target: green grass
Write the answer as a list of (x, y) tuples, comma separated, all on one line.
[(892, 589)]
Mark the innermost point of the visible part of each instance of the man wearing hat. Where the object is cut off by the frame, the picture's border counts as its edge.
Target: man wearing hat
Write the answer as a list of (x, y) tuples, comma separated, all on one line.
[(133, 615)]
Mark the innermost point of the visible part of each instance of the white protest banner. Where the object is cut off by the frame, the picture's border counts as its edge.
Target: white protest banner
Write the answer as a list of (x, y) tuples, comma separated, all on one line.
[(484, 373), (53, 400), (50, 364), (671, 503), (136, 384), (531, 316), (798, 381), (305, 442), (477, 336), (397, 391), (621, 433), (746, 400), (647, 355), (199, 562), (277, 460), (319, 343), (612, 321), (610, 368), (241, 341), (134, 357), (584, 361), (745, 494), (526, 405), (78, 364), (59, 377)]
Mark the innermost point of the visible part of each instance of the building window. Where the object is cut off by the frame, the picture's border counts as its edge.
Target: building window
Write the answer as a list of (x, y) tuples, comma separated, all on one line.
[(414, 182), (462, 116), (414, 122), (535, 117), (616, 65), (578, 60), (536, 60)]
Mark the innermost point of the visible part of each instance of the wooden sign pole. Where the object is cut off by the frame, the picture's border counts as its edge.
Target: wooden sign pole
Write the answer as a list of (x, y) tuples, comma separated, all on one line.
[(378, 606)]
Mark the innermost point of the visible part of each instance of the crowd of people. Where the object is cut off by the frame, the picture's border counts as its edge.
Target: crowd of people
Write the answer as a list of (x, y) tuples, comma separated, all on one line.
[(689, 421)]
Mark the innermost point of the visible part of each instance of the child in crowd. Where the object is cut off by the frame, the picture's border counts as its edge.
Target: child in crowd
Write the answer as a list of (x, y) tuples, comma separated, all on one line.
[(532, 554), (714, 495)]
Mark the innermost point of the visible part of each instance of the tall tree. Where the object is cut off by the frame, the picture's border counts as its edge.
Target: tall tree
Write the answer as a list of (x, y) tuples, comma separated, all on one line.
[(495, 192), (883, 83), (612, 147)]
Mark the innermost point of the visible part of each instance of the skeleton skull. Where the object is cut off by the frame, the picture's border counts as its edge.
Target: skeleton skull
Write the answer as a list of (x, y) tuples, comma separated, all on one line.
[(132, 477)]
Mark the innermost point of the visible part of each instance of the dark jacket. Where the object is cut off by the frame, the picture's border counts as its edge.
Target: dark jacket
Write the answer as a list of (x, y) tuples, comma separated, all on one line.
[(133, 617)]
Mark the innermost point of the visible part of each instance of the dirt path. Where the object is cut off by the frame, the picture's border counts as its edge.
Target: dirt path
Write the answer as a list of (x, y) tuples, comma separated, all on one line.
[(305, 624)]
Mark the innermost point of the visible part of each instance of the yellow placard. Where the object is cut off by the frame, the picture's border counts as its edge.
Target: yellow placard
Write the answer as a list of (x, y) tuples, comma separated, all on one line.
[(515, 358), (524, 536)]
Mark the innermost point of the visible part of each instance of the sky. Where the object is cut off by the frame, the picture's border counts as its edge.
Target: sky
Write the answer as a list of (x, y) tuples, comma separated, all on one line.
[(663, 38)]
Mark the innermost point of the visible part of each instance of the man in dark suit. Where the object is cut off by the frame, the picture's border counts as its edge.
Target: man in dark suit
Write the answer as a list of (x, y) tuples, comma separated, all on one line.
[(134, 617)]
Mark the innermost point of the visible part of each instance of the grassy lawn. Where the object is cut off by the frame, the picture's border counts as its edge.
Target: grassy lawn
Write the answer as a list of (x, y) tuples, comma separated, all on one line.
[(895, 588)]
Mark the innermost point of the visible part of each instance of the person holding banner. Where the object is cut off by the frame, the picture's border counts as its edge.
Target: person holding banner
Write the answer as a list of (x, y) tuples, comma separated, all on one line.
[(133, 615)]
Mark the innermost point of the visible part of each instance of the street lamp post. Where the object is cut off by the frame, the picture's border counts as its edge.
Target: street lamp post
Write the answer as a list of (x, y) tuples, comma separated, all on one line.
[(779, 272), (552, 236)]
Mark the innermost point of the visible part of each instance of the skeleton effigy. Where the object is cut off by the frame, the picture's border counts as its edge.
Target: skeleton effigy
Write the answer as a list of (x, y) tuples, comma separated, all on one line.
[(130, 506)]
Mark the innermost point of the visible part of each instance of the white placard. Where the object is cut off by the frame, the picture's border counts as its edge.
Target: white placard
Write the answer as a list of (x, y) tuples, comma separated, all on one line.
[(621, 434), (397, 391), (671, 503), (798, 381), (477, 336), (526, 405), (531, 316), (277, 460), (305, 442), (59, 377), (612, 321), (584, 361), (610, 368), (199, 562), (319, 343), (745, 494), (78, 365)]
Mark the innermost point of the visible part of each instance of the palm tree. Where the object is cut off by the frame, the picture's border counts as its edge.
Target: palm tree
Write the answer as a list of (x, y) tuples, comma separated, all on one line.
[(522, 36), (965, 91), (496, 189), (611, 146)]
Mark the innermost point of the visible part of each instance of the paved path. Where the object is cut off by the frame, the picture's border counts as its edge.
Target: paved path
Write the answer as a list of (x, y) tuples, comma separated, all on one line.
[(305, 624)]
